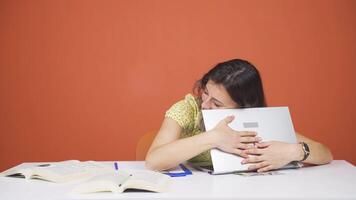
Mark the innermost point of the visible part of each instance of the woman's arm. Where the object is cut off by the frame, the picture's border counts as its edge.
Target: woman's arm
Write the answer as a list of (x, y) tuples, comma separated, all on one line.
[(273, 155), (168, 151), (319, 153)]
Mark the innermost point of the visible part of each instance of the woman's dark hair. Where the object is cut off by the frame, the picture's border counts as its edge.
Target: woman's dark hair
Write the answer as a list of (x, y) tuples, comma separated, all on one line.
[(241, 80)]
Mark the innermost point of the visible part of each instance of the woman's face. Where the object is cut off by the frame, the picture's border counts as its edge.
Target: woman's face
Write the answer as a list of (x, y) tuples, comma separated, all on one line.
[(215, 96)]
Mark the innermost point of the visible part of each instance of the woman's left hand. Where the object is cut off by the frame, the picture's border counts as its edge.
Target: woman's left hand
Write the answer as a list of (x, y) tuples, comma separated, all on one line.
[(272, 155)]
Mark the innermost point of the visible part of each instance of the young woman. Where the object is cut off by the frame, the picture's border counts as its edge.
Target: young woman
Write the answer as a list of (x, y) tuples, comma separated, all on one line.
[(232, 84)]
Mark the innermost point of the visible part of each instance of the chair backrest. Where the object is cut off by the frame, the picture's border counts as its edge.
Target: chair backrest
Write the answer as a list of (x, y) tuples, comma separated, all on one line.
[(144, 144)]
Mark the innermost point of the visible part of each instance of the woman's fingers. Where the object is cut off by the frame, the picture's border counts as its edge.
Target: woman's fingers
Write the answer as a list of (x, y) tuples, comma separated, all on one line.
[(250, 139), (239, 152), (258, 166), (228, 119), (252, 159), (263, 144), (254, 151), (265, 169), (244, 146), (246, 133)]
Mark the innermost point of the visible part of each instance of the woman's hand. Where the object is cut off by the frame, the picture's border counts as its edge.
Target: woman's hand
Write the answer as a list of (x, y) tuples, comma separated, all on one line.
[(232, 141), (272, 155)]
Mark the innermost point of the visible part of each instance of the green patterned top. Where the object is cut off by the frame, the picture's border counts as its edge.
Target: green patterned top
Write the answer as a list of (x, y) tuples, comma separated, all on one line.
[(188, 115)]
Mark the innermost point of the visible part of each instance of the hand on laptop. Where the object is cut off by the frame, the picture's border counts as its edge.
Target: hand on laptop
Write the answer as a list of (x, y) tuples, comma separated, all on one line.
[(231, 141), (271, 155)]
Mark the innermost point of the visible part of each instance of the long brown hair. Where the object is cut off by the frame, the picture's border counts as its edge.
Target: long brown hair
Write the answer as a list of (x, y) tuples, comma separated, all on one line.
[(241, 80)]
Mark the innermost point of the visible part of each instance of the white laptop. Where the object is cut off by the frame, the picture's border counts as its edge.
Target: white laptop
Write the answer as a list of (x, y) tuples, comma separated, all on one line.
[(270, 123)]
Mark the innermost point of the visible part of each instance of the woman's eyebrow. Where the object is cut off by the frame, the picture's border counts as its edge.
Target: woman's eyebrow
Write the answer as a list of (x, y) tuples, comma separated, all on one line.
[(207, 91), (217, 101)]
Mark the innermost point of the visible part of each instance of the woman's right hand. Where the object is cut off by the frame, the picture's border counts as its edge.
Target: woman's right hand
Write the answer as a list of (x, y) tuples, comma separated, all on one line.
[(231, 141)]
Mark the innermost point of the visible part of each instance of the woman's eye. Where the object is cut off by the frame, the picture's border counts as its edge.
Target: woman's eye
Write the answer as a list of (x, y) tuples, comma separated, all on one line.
[(217, 105)]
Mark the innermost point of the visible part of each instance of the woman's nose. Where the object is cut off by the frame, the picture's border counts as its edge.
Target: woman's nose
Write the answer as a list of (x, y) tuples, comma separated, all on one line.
[(206, 105)]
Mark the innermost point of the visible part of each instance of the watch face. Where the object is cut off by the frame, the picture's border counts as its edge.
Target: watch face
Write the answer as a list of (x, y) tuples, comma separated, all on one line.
[(306, 147), (306, 151)]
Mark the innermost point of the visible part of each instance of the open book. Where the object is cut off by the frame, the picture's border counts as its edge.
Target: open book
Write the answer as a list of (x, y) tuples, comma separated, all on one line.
[(119, 181), (58, 172)]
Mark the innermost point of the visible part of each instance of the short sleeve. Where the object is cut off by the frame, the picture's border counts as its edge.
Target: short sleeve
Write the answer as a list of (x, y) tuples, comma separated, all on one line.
[(184, 112)]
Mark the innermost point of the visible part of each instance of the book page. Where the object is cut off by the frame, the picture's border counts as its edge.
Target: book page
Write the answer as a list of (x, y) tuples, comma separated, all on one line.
[(18, 172), (147, 180), (58, 171), (108, 182), (68, 170), (64, 168)]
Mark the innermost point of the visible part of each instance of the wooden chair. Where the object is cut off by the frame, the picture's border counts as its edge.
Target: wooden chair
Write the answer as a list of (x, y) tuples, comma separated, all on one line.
[(144, 144)]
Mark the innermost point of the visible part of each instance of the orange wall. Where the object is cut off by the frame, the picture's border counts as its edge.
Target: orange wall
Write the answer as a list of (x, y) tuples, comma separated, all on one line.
[(85, 79)]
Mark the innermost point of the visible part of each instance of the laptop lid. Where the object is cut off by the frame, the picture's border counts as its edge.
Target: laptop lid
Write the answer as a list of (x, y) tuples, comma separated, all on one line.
[(270, 123)]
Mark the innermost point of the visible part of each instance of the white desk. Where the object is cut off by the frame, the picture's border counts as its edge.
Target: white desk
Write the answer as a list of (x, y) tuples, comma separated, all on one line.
[(334, 181)]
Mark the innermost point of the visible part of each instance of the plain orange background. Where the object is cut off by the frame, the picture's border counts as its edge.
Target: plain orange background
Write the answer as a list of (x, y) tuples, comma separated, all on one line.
[(86, 79)]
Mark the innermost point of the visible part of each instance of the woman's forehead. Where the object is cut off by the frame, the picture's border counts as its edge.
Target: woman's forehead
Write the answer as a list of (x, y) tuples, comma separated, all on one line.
[(219, 92)]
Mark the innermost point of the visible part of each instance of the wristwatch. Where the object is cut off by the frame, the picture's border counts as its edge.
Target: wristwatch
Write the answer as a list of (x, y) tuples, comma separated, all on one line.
[(306, 150)]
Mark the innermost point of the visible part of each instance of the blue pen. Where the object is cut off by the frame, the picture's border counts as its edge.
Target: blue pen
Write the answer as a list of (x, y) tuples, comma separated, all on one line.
[(185, 172), (115, 165)]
